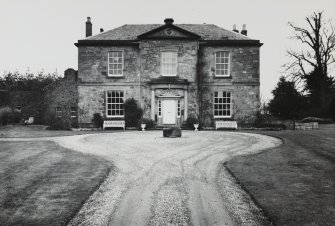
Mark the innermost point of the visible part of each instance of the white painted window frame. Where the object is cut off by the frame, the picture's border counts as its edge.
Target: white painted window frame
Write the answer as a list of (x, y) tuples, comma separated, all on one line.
[(230, 104), (73, 113), (159, 108), (123, 99), (109, 63), (178, 108), (175, 72), (59, 112), (219, 63)]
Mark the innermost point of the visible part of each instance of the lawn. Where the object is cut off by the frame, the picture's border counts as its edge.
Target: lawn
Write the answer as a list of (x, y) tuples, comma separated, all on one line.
[(41, 131), (294, 183), (45, 184)]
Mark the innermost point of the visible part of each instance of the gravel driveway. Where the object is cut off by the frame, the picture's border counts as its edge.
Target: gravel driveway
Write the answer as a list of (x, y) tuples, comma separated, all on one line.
[(162, 181), (167, 181)]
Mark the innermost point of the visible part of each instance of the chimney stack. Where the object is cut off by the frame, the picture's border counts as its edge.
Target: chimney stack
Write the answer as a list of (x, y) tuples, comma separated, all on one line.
[(168, 21), (244, 30), (88, 27), (101, 30), (234, 28)]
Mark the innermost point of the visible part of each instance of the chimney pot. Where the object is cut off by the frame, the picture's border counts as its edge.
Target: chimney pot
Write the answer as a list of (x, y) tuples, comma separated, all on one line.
[(234, 28), (88, 27), (168, 21), (244, 30)]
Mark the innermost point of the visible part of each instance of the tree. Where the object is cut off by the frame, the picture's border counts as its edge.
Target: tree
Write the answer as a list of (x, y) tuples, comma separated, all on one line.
[(311, 63), (287, 101), (132, 113)]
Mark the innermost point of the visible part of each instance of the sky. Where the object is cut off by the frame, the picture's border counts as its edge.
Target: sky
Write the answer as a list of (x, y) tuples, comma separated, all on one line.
[(39, 35)]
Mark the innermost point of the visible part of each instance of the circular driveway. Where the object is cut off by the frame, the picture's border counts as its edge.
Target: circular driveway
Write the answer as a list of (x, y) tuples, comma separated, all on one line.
[(162, 181)]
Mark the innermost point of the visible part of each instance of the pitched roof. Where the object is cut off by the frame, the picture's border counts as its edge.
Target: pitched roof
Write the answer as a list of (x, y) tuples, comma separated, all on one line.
[(132, 31)]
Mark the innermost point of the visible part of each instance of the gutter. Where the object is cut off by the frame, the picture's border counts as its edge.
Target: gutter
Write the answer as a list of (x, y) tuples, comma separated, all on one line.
[(136, 43)]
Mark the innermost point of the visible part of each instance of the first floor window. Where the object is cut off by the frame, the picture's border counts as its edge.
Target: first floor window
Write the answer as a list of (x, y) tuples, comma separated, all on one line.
[(73, 112), (222, 63), (115, 104), (222, 104), (115, 63), (58, 112), (169, 63), (159, 108)]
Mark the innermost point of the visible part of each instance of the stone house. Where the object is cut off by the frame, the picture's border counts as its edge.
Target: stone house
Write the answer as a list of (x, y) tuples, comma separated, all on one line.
[(174, 71), (61, 100)]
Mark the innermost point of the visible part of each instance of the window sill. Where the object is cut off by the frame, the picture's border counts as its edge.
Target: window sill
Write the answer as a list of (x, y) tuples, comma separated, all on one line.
[(115, 76), (114, 117), (169, 75), (223, 76), (222, 117)]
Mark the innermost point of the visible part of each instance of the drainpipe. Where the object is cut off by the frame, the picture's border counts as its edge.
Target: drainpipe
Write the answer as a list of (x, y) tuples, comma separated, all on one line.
[(139, 79)]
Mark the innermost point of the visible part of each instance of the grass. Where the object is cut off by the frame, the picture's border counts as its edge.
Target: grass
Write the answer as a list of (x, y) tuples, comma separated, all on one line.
[(294, 183), (45, 184), (41, 131)]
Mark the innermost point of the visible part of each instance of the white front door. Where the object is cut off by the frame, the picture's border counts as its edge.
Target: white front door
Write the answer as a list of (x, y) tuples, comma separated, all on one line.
[(169, 111)]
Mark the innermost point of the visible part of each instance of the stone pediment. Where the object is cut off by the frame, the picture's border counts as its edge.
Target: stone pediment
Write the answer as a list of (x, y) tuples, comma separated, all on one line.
[(169, 31), (168, 93)]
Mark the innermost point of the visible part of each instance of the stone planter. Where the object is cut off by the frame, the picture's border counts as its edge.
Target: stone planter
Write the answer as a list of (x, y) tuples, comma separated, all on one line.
[(196, 127), (172, 132), (143, 126)]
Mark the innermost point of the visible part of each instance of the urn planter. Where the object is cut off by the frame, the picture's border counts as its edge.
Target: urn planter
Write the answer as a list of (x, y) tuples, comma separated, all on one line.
[(196, 127), (143, 127)]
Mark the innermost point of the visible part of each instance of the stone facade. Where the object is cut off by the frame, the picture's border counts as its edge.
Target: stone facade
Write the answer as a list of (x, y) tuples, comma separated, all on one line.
[(190, 91)]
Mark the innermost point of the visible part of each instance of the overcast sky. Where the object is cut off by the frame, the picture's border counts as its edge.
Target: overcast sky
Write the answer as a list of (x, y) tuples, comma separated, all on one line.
[(40, 34)]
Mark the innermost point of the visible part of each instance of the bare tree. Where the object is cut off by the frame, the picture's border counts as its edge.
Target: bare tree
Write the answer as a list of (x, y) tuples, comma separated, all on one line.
[(310, 64)]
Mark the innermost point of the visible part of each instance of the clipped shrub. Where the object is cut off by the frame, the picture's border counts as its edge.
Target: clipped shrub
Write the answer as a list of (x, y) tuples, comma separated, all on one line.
[(132, 113), (269, 126), (8, 116), (190, 121), (150, 124), (315, 119), (4, 112), (98, 120)]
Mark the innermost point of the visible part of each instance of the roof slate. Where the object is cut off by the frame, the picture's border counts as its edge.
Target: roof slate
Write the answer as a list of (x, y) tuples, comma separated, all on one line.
[(131, 31)]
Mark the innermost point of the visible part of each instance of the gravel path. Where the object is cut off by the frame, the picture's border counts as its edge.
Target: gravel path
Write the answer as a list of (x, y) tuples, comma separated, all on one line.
[(168, 181)]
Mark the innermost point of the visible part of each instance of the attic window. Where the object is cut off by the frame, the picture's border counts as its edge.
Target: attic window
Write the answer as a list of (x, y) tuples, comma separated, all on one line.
[(169, 31)]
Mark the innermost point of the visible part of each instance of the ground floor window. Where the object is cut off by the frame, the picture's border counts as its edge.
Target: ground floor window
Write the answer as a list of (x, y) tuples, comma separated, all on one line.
[(222, 104), (58, 112), (73, 112), (114, 102)]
